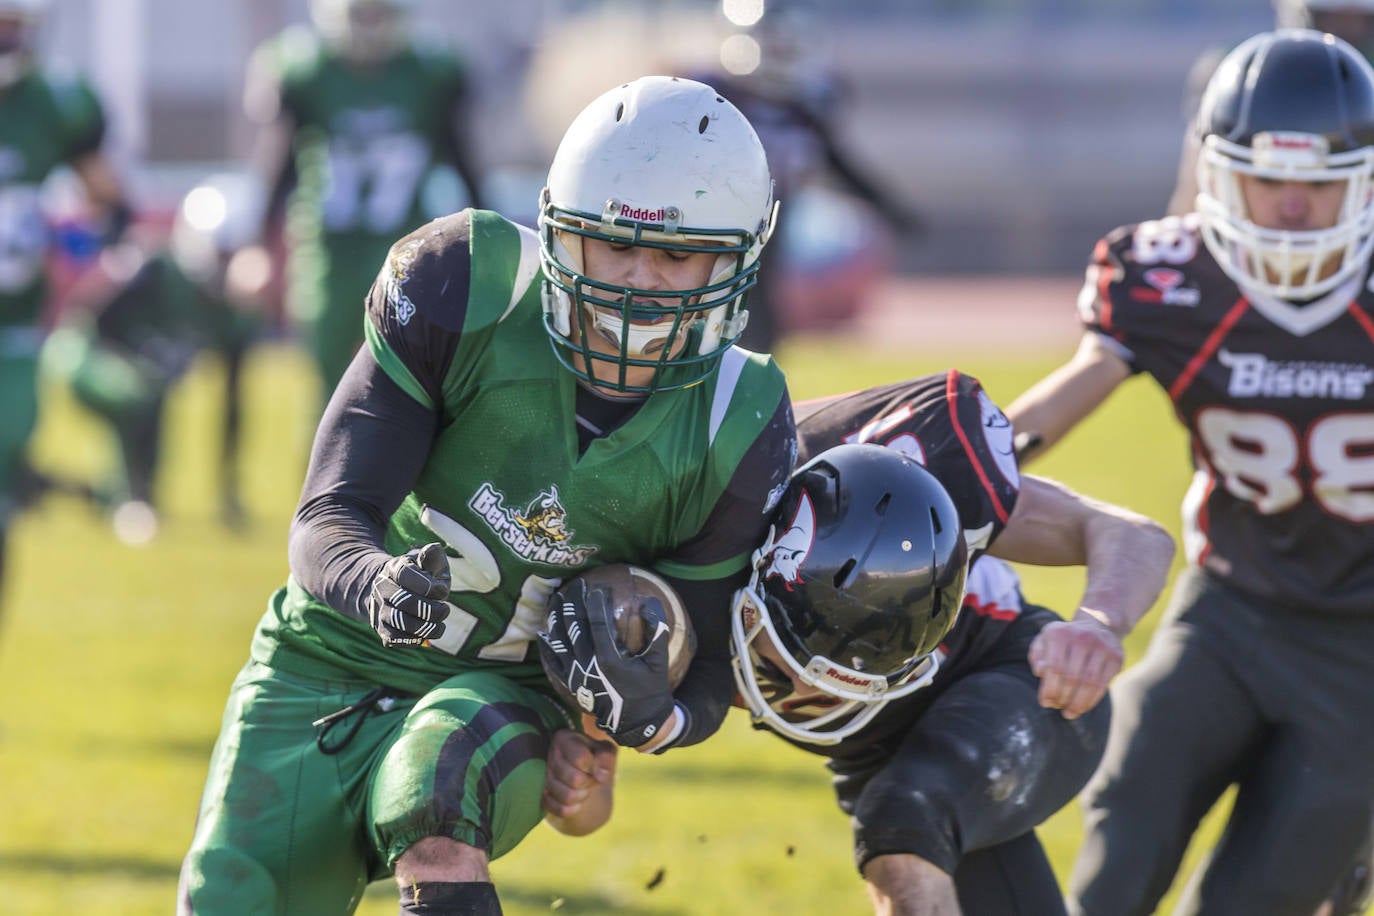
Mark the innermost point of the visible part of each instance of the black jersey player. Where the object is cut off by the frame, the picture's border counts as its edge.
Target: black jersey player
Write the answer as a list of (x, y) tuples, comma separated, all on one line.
[(950, 737), (1255, 315)]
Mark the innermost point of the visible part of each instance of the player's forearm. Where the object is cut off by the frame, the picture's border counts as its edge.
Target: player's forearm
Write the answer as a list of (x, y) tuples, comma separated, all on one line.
[(1050, 408), (273, 159), (704, 697), (1047, 411), (336, 551), (372, 443), (1128, 559)]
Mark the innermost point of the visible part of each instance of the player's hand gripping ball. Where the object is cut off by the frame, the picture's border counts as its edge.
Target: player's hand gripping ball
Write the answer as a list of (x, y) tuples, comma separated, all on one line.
[(616, 643)]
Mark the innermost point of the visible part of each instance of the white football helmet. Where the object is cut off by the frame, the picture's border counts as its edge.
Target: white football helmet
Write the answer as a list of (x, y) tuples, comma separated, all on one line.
[(666, 163), (1289, 105), (19, 24), (215, 219), (366, 31)]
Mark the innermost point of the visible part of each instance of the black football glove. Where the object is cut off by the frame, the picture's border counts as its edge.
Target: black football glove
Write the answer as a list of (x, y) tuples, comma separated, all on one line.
[(406, 601), (628, 695)]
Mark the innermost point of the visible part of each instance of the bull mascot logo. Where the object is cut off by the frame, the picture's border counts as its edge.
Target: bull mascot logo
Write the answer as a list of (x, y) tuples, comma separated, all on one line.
[(785, 556)]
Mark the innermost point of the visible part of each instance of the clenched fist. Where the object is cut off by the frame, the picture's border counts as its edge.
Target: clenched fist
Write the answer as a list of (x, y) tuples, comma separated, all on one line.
[(1075, 661), (406, 603)]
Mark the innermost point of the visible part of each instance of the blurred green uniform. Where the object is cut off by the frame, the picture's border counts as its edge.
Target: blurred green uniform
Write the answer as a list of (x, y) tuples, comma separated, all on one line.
[(375, 154), (122, 356), (45, 121)]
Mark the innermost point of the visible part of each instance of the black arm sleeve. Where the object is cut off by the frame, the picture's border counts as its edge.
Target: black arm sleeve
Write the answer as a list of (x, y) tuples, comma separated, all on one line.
[(709, 687), (371, 445), (275, 161)]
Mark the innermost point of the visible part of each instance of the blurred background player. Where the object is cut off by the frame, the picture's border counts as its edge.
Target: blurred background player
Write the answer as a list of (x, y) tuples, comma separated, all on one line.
[(1350, 20), (793, 99), (121, 347), (47, 120), (367, 135), (1254, 315)]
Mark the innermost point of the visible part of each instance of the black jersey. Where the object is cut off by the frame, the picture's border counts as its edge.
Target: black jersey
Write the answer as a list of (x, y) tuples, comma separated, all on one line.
[(1278, 399), (946, 422), (950, 425)]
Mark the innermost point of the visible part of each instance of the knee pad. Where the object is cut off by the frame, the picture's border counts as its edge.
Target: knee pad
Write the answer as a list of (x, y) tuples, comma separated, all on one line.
[(917, 821), (462, 768), (450, 898)]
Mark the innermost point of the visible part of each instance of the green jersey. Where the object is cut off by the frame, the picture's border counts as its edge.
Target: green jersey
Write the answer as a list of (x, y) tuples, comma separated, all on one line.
[(455, 320), (46, 120), (374, 147), (165, 318)]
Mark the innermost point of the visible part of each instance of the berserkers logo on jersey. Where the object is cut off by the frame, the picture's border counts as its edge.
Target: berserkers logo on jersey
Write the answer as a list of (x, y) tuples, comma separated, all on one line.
[(1168, 288), (785, 556), (540, 534), (1254, 375)]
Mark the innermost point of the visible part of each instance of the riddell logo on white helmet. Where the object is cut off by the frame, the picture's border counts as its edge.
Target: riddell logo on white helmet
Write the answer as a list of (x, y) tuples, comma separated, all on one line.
[(643, 214)]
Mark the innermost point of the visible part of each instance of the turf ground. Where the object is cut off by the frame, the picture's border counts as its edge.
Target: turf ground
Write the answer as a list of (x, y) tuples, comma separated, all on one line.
[(115, 661)]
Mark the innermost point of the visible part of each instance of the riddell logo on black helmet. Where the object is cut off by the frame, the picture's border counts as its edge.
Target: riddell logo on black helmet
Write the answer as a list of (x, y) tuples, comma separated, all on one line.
[(838, 675)]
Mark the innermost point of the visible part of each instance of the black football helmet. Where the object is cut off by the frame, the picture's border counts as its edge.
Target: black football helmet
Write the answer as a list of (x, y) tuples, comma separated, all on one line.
[(1288, 105), (860, 579)]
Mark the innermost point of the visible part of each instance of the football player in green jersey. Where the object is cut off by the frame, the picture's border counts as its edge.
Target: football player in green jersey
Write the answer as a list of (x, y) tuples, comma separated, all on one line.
[(123, 344), (47, 120), (528, 405), (367, 136)]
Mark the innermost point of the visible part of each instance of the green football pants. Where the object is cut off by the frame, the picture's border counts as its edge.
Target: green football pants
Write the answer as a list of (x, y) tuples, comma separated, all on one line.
[(296, 820)]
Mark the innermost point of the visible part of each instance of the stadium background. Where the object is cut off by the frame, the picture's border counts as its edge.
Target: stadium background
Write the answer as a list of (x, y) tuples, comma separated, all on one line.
[(1021, 131)]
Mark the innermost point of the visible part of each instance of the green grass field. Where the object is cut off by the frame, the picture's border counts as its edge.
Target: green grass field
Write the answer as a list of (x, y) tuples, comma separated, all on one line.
[(115, 662)]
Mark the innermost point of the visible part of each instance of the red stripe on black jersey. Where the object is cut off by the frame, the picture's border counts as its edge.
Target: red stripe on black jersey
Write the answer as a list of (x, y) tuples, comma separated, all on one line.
[(990, 609), (952, 397), (1101, 257), (1209, 347), (1362, 317)]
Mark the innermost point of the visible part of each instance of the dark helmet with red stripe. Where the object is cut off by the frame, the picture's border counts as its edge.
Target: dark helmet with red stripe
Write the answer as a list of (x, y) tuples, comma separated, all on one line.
[(1289, 105)]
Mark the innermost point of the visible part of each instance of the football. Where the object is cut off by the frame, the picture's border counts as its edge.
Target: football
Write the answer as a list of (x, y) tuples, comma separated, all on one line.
[(629, 589)]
